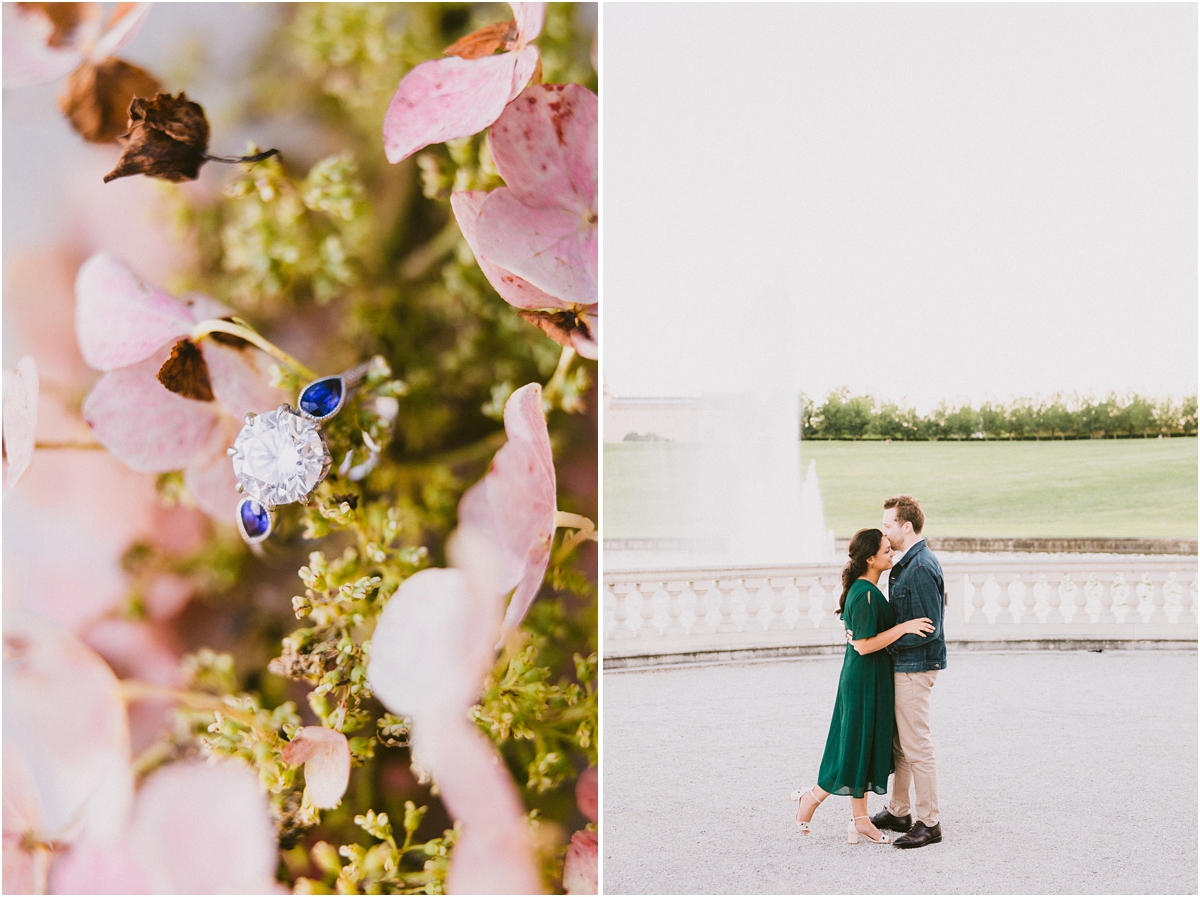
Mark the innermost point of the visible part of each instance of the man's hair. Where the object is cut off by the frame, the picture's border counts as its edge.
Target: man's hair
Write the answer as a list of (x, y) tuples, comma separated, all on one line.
[(907, 508)]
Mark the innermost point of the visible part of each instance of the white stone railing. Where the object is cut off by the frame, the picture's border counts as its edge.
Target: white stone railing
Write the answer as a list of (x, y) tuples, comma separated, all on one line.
[(1102, 598)]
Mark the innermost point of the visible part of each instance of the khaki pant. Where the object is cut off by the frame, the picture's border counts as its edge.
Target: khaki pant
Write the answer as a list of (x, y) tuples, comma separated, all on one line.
[(916, 768)]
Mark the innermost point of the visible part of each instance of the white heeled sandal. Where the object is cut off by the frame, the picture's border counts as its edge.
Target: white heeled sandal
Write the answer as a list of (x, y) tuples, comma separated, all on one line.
[(852, 834), (796, 796)]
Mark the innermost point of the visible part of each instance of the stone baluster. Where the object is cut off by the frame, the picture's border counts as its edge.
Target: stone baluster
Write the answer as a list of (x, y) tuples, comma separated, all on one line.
[(1016, 598), (1145, 593), (968, 598), (991, 598), (1093, 589), (726, 605), (620, 615), (1172, 599), (1120, 598), (1041, 598), (674, 611), (793, 599), (1067, 591), (816, 603), (707, 608), (691, 603), (778, 606), (747, 601), (647, 629)]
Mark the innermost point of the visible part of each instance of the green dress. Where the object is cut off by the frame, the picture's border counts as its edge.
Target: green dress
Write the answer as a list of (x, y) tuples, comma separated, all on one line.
[(858, 752)]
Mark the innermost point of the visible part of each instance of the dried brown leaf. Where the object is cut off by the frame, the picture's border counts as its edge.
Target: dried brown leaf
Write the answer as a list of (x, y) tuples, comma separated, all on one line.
[(484, 42), (186, 372), (95, 98), (168, 139), (558, 325)]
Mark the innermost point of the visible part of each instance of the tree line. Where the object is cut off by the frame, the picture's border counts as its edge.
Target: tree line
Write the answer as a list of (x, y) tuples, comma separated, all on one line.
[(843, 416)]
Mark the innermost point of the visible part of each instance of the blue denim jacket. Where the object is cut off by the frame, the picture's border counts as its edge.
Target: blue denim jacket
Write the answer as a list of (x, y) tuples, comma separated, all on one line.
[(916, 589)]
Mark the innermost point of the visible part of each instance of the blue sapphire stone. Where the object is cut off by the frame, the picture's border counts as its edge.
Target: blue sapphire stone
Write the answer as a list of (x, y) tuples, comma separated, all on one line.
[(256, 520), (321, 398)]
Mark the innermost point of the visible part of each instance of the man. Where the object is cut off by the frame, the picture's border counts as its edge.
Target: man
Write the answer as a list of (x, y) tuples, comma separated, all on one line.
[(915, 589)]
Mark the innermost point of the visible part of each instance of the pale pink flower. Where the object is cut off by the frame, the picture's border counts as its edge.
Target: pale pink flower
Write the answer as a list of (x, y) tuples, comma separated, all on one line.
[(128, 328), (578, 330), (325, 754), (20, 419), (443, 99), (66, 742), (515, 503), (34, 54), (196, 828), (536, 239), (581, 868), (432, 648), (69, 788)]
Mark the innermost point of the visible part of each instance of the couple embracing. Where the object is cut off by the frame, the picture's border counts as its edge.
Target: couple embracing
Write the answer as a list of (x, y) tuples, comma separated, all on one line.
[(895, 649)]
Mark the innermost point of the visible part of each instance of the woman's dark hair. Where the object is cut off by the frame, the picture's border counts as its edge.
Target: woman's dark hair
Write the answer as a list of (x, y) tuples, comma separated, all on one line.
[(863, 547)]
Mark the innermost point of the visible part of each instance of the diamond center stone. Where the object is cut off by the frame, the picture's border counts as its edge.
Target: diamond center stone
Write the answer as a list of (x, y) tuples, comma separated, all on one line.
[(279, 457)]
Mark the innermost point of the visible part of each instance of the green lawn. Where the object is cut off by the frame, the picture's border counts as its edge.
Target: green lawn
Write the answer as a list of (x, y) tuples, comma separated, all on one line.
[(1127, 488)]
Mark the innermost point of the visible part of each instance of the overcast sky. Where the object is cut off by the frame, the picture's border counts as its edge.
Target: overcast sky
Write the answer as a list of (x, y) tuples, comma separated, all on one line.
[(921, 202)]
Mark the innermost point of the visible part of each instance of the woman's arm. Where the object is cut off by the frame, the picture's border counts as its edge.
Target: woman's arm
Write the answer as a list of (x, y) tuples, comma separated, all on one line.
[(919, 626)]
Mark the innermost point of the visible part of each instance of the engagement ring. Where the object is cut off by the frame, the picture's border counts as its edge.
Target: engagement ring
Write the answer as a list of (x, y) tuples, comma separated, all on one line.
[(282, 456)]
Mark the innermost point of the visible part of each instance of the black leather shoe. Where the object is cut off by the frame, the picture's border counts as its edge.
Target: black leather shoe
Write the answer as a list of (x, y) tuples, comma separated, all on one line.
[(885, 820), (920, 835)]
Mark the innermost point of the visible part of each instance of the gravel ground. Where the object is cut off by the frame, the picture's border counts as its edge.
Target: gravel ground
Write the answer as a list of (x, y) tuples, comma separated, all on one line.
[(1060, 773)]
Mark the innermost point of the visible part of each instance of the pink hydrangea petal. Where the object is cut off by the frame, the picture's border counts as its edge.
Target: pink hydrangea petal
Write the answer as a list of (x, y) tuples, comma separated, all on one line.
[(587, 793), (22, 874), (493, 853), (28, 58), (442, 99), (197, 828), (119, 320), (512, 289), (136, 649), (530, 18), (127, 20), (545, 146), (209, 475), (64, 716), (525, 421), (20, 419), (475, 512), (167, 595), (146, 426), (523, 68), (202, 307), (581, 871), (325, 754), (432, 646), (241, 379), (554, 249), (101, 867)]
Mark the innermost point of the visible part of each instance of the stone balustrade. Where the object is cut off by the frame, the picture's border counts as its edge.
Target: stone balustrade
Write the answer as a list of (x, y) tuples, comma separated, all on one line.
[(676, 615)]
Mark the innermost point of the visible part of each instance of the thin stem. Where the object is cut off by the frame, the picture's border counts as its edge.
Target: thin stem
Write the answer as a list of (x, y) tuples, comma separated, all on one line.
[(243, 331), (554, 387), (67, 445), (138, 689), (586, 530), (421, 259), (229, 160)]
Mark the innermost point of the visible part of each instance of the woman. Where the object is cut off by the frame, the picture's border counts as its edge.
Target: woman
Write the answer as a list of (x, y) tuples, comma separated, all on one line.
[(858, 752)]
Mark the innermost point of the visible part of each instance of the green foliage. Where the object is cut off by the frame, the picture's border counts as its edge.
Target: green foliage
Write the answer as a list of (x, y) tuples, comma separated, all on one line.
[(843, 416)]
